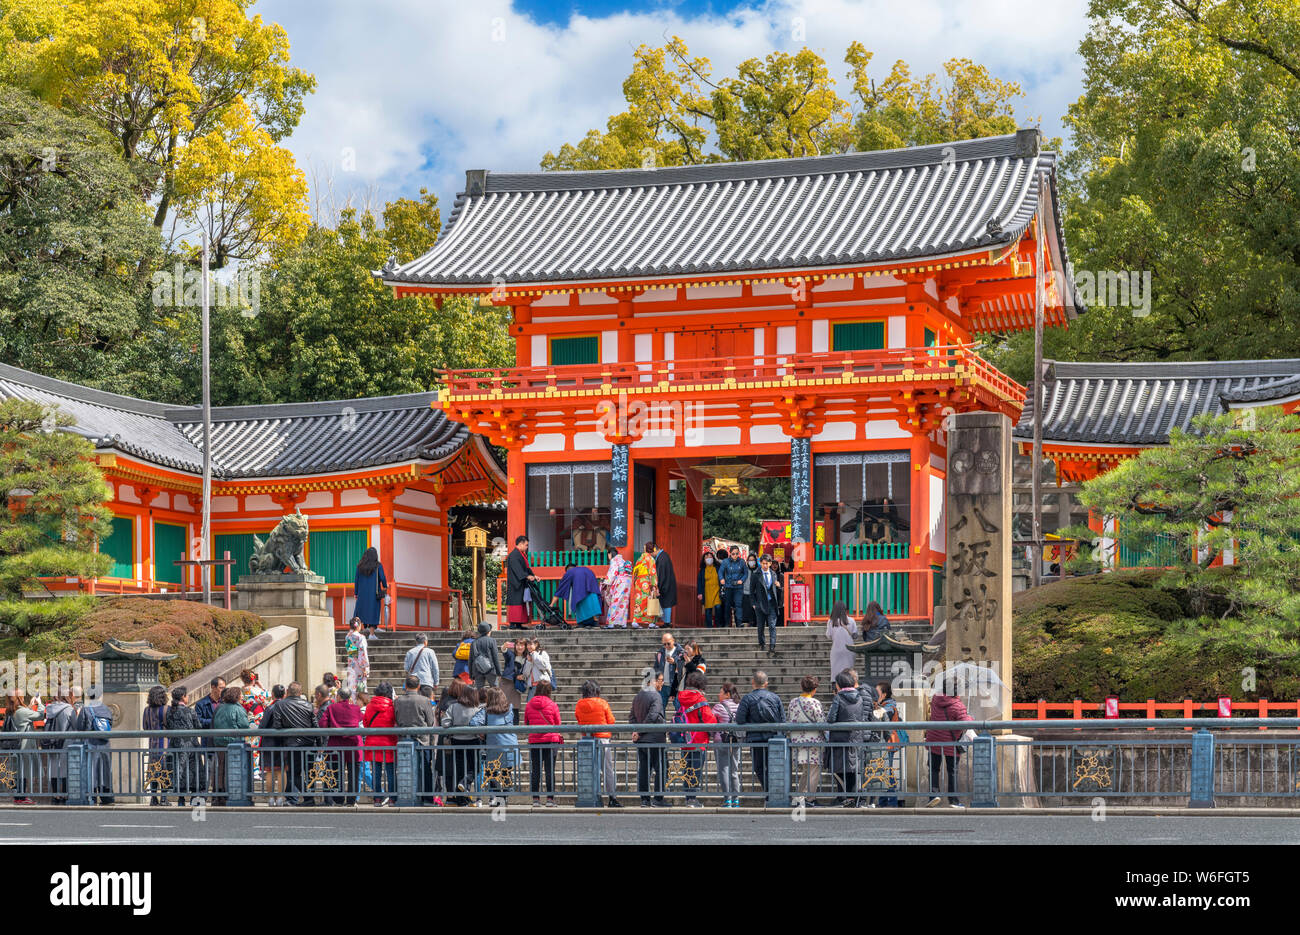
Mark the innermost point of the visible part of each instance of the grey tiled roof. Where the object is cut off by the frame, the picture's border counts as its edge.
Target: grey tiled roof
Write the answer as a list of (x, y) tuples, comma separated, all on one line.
[(251, 441), (855, 208), (1139, 403)]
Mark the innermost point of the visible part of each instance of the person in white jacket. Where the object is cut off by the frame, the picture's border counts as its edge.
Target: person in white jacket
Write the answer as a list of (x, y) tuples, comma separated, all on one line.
[(841, 629), (537, 668)]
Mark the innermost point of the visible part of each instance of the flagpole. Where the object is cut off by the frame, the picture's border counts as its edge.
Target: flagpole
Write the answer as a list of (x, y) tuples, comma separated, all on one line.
[(205, 534), (1035, 564)]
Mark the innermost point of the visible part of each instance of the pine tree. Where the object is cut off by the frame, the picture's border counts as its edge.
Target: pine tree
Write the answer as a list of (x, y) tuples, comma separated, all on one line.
[(53, 499)]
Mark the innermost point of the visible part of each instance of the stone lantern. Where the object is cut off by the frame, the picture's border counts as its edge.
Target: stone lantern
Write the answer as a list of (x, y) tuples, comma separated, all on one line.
[(128, 669)]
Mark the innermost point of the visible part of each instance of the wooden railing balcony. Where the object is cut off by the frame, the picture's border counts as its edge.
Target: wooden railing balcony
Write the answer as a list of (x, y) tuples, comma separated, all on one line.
[(954, 363)]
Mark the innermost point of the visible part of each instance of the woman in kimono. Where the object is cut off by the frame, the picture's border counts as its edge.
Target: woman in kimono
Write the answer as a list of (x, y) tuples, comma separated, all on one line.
[(617, 585), (358, 657), (369, 589), (255, 700), (645, 580)]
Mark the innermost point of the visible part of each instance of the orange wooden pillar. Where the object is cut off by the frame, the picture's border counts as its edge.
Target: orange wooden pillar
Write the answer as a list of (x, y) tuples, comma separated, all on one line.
[(918, 553), (516, 479), (662, 508)]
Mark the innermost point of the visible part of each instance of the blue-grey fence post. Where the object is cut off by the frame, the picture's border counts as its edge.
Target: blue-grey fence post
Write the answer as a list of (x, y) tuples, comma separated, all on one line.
[(1202, 770), (239, 774), (588, 777), (778, 773), (78, 775), (984, 772), (405, 769)]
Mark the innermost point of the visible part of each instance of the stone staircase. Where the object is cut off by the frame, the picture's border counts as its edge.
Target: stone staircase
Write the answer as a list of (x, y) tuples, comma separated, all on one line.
[(616, 658)]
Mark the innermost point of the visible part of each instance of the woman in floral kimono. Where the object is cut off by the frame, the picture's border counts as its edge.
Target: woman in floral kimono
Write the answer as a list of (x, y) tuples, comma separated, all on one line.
[(617, 586), (358, 657), (806, 746), (255, 700), (645, 580)]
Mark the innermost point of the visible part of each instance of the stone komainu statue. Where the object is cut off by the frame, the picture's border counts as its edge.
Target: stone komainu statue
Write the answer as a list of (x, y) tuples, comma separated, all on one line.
[(283, 548)]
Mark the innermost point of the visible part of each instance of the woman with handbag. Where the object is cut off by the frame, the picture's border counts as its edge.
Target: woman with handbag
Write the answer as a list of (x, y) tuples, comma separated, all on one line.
[(887, 708), (370, 590)]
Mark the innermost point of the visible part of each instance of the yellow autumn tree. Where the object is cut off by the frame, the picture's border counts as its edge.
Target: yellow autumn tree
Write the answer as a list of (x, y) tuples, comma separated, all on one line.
[(165, 77)]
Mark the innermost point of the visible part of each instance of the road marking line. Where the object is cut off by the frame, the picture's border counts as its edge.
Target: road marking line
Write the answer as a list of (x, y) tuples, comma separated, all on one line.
[(16, 824), (295, 827), (137, 826)]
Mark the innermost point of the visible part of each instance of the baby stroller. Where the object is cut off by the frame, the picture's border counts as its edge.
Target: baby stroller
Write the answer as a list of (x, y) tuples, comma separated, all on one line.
[(551, 616)]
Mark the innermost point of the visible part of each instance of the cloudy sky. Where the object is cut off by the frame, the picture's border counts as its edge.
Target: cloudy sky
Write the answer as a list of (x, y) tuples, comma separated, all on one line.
[(420, 90)]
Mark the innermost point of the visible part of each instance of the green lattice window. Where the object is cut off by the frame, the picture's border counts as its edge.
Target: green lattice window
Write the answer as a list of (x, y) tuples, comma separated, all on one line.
[(334, 553), (858, 336), (120, 546), (170, 543), (583, 350), (240, 547)]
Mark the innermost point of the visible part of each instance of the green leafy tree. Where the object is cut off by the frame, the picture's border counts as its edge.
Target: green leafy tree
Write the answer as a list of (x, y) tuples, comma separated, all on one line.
[(75, 245), (326, 329), (783, 105), (1186, 163), (53, 499), (1231, 483)]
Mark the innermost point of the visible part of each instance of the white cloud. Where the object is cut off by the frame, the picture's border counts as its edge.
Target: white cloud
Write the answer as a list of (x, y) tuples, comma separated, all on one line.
[(422, 91)]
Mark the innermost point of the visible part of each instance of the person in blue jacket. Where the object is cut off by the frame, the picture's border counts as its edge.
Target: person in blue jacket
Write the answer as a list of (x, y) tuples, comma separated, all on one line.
[(733, 572), (369, 589), (581, 590)]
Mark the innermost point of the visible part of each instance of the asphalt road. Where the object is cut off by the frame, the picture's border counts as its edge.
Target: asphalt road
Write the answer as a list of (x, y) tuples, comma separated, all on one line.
[(565, 826)]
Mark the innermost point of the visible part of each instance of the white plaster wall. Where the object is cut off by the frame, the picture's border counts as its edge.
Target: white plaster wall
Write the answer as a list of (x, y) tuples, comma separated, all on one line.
[(885, 428), (821, 335), (225, 504), (609, 347), (419, 498), (417, 558), (785, 340), (766, 435), (836, 431), (897, 331), (356, 498), (318, 500), (702, 437), (589, 440), (938, 519), (758, 342), (548, 441), (260, 502), (642, 346), (539, 350)]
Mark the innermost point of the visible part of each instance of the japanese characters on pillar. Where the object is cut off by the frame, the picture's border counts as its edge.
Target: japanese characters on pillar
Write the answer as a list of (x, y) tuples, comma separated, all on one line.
[(800, 488), (618, 496), (978, 570)]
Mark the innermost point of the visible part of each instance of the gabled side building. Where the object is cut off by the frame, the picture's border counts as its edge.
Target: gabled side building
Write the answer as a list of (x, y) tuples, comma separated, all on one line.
[(377, 472)]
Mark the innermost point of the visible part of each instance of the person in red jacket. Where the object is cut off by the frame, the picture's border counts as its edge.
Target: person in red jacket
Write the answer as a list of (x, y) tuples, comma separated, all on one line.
[(945, 707), (380, 749), (541, 711), (694, 705)]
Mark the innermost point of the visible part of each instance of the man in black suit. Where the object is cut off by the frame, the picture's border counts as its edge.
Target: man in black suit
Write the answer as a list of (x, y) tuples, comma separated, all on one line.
[(767, 603), (667, 584)]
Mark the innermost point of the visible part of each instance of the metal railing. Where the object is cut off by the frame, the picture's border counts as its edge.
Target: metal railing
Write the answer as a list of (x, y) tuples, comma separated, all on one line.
[(795, 763)]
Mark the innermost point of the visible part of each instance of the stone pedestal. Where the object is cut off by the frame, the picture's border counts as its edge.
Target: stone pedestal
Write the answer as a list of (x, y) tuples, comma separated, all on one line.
[(128, 714), (297, 601), (978, 571)]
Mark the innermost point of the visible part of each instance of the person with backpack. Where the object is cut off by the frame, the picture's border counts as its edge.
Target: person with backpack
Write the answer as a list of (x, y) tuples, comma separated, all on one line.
[(154, 718), (593, 709), (726, 747), (485, 658), (760, 706), (185, 764), (98, 718), (21, 713), (693, 708), (60, 715), (844, 754), (461, 656)]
